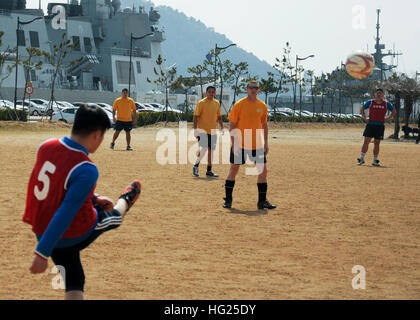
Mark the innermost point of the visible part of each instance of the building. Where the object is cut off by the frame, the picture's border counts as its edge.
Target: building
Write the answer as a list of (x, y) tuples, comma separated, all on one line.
[(102, 31)]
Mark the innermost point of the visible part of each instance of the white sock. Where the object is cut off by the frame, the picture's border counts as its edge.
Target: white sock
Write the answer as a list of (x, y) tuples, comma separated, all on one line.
[(375, 158), (362, 156)]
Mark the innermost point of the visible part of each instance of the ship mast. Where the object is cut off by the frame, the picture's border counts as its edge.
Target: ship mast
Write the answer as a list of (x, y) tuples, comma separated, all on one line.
[(378, 53)]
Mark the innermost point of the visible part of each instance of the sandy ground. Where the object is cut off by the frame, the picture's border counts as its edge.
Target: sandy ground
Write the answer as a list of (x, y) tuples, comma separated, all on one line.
[(179, 243)]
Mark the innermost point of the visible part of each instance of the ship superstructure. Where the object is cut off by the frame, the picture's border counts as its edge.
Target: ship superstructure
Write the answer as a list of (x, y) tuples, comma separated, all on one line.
[(103, 31)]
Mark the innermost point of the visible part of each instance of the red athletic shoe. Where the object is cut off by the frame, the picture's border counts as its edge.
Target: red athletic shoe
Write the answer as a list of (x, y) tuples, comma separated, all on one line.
[(131, 193)]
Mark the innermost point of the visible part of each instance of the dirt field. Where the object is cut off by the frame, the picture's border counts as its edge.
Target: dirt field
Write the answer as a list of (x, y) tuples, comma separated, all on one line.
[(179, 243)]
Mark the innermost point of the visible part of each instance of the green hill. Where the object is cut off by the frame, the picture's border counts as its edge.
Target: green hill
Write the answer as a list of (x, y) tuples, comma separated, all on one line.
[(188, 41)]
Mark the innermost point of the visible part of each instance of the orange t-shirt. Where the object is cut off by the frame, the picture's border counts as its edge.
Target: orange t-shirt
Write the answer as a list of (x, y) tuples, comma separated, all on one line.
[(124, 108), (207, 111), (250, 117)]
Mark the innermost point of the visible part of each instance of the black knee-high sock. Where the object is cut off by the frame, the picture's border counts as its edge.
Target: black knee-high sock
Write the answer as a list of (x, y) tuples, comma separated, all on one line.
[(209, 168), (262, 192), (229, 189)]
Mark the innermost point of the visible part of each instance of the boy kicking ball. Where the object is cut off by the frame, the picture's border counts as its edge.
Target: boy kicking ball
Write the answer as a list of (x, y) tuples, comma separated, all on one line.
[(62, 208)]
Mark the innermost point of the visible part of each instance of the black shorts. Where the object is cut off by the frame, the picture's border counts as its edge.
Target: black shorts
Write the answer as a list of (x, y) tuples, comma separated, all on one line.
[(69, 257), (256, 156), (374, 131), (207, 141), (121, 125)]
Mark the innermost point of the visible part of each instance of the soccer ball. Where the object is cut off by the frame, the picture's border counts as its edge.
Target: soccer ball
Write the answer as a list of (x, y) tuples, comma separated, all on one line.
[(360, 65)]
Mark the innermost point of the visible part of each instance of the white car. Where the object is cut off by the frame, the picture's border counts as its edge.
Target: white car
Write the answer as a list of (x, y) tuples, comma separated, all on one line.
[(108, 112), (162, 108), (141, 107), (65, 104), (33, 108), (66, 115), (105, 106)]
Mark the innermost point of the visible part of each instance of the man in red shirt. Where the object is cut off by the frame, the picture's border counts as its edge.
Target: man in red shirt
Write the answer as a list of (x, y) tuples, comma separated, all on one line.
[(375, 129)]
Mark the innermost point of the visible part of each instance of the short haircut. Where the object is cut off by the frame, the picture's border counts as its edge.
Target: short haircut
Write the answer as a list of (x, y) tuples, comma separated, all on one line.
[(252, 82), (380, 90), (125, 90), (210, 87), (88, 119)]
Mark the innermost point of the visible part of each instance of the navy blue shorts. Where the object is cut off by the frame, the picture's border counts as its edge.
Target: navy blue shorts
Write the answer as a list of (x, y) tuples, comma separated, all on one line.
[(69, 257), (374, 131), (255, 156), (207, 141), (121, 125)]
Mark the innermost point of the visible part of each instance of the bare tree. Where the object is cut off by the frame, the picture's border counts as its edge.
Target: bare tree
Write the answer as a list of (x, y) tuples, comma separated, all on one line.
[(57, 59)]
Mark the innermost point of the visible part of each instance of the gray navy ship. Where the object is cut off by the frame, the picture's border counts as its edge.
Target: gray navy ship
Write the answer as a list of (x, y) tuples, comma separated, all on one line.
[(103, 31)]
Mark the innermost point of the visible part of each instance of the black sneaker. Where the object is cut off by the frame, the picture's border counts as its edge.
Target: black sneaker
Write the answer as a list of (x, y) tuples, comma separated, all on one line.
[(211, 174), (112, 145), (228, 203), (131, 193), (376, 163), (360, 161), (129, 148), (266, 205)]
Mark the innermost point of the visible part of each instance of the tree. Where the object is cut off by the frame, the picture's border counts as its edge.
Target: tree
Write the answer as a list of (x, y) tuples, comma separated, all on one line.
[(311, 81), (185, 84), (166, 78), (402, 87), (238, 71), (8, 54), (268, 85), (57, 59), (198, 71), (29, 64), (281, 65)]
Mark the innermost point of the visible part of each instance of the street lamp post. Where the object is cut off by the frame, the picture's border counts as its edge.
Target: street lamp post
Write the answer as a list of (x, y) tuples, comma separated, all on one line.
[(294, 94), (19, 23), (131, 53)]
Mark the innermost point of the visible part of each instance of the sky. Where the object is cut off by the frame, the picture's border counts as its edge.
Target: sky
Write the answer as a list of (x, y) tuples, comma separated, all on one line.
[(328, 29)]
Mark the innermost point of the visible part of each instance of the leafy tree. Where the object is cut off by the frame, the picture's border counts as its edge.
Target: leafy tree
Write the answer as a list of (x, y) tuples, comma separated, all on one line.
[(311, 82), (165, 78), (237, 71), (29, 64), (281, 65), (198, 72), (402, 87), (268, 85), (58, 59), (185, 84)]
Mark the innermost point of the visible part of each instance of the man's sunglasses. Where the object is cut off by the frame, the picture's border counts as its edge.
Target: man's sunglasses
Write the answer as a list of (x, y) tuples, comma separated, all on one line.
[(253, 88)]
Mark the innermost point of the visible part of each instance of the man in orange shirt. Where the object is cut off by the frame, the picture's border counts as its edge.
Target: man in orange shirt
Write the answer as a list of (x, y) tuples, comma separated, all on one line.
[(206, 115), (248, 119), (126, 117)]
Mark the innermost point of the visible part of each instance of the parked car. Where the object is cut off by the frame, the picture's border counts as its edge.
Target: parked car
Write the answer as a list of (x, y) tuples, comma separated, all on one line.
[(109, 113), (66, 104), (66, 115), (143, 108), (162, 108), (4, 104), (105, 106), (33, 108)]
